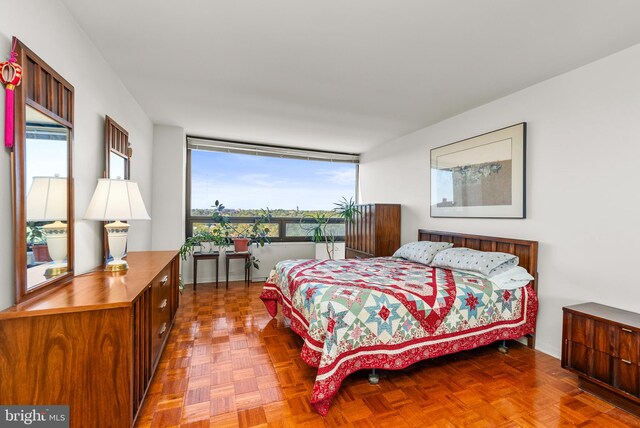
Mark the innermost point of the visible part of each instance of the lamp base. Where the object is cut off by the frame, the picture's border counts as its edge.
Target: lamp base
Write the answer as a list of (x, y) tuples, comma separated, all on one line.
[(117, 266), (117, 238), (56, 234), (55, 270)]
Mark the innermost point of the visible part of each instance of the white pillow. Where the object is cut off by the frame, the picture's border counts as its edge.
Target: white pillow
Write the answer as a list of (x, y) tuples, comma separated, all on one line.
[(421, 251), (511, 279), (487, 263)]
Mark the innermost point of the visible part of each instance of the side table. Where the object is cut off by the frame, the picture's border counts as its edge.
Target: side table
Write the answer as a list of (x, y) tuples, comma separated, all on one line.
[(245, 257), (204, 256), (601, 345)]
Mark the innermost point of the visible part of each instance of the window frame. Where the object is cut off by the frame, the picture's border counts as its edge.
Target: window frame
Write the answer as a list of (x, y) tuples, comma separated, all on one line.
[(281, 221)]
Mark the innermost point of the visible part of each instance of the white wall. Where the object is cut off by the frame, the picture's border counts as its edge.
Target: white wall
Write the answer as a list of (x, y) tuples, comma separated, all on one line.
[(169, 169), (48, 29), (583, 203)]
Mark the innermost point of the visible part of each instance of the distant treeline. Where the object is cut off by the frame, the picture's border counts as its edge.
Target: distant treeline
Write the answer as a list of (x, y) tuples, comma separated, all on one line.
[(207, 212)]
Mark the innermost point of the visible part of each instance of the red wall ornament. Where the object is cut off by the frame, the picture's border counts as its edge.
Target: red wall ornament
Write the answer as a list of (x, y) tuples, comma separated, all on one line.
[(10, 76)]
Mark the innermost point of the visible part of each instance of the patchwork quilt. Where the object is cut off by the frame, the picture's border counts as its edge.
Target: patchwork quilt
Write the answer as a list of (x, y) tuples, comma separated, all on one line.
[(389, 313)]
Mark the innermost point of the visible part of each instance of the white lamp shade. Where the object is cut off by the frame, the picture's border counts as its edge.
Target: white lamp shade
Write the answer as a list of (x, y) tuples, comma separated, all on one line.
[(47, 199), (116, 200)]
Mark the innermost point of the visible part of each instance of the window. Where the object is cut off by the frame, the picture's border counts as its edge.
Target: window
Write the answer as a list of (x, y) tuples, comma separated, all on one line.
[(247, 178)]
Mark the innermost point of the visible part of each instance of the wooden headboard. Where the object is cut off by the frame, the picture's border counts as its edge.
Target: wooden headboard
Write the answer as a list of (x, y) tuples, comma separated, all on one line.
[(527, 251)]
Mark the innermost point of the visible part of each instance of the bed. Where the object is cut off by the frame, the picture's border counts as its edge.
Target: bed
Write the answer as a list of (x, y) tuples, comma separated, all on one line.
[(389, 313)]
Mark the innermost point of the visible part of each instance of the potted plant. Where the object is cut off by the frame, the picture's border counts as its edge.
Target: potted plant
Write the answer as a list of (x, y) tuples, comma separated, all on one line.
[(318, 227), (211, 236), (244, 234), (346, 209), (224, 231), (37, 240)]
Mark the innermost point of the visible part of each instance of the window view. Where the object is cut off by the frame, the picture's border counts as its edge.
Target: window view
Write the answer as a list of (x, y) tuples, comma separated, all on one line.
[(292, 189)]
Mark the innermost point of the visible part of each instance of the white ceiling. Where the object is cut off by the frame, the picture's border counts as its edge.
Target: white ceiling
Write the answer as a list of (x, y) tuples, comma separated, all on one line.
[(342, 75)]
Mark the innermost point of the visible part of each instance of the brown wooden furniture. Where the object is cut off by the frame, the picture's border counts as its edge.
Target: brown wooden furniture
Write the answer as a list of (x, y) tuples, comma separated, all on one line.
[(92, 344), (245, 256), (375, 231), (527, 252), (48, 93), (204, 256), (601, 345)]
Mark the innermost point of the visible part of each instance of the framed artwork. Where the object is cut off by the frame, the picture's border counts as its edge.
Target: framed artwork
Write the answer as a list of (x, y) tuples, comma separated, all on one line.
[(480, 177)]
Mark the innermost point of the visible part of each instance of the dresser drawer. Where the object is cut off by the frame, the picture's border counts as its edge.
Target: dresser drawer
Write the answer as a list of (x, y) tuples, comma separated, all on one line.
[(627, 376), (580, 331), (163, 281), (628, 343), (160, 310), (578, 358), (604, 337), (602, 366), (161, 320)]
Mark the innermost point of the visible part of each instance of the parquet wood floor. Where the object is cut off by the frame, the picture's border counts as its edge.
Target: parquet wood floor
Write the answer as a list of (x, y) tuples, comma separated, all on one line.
[(228, 364)]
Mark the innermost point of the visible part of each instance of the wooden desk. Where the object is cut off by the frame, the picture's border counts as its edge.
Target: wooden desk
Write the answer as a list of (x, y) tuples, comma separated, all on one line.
[(204, 256), (92, 344), (245, 257)]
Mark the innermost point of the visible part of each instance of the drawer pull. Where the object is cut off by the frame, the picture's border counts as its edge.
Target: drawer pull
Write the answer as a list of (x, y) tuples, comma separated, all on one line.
[(627, 330), (164, 280), (626, 361), (163, 329), (163, 304)]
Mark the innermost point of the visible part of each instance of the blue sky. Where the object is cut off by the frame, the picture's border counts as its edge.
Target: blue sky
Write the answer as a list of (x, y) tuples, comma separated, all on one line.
[(46, 158), (444, 185), (248, 181)]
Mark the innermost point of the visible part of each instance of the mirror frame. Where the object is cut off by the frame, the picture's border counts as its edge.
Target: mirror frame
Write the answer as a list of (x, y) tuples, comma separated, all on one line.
[(116, 140), (44, 90)]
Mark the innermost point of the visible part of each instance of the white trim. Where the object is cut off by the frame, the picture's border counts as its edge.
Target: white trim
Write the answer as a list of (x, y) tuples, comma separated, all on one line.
[(271, 151)]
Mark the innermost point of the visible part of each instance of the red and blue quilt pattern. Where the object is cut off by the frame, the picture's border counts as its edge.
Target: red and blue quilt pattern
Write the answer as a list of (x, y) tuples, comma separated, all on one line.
[(389, 313)]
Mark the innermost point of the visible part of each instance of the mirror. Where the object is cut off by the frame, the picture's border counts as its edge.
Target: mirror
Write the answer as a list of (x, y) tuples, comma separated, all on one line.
[(42, 178), (46, 169), (117, 163), (117, 166)]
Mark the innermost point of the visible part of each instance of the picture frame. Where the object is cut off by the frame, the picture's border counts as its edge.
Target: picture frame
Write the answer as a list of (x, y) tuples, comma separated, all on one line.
[(481, 177)]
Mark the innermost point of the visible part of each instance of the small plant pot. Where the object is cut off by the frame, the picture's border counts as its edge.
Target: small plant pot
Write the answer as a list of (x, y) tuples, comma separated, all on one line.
[(241, 245), (40, 253)]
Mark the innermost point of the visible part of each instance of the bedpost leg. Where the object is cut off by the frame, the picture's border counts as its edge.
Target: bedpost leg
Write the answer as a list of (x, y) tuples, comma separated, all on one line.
[(374, 378), (503, 348), (531, 341)]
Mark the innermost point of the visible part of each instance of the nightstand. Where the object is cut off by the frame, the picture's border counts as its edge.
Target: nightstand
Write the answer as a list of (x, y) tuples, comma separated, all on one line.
[(601, 345)]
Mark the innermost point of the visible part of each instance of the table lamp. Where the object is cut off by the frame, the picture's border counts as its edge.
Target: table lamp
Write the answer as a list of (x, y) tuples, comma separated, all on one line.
[(47, 201), (116, 200)]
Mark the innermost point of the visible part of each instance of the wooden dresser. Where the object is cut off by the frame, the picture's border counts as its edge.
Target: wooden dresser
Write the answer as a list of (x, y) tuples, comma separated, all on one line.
[(375, 232), (92, 344), (602, 345)]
